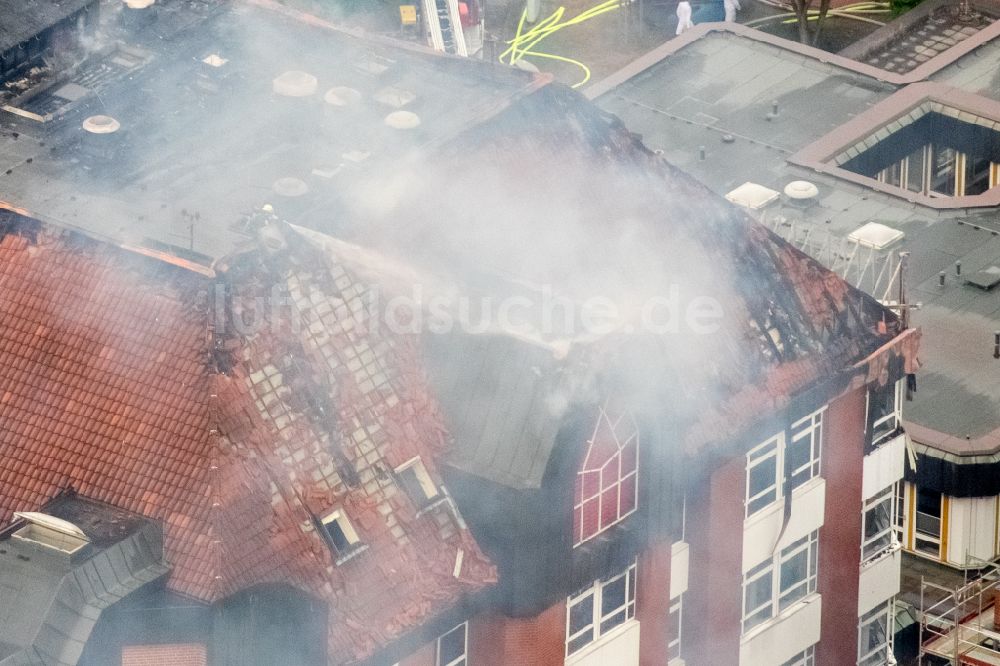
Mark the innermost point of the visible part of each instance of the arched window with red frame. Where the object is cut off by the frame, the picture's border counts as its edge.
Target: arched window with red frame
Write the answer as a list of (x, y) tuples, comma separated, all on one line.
[(607, 483)]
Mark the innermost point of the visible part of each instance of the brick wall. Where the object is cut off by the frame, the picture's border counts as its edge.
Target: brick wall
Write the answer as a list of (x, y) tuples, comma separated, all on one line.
[(177, 654), (840, 536), (653, 604), (713, 603), (495, 640)]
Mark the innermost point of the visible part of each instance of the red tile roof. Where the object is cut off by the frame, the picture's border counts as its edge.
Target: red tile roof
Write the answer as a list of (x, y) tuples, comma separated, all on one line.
[(125, 379)]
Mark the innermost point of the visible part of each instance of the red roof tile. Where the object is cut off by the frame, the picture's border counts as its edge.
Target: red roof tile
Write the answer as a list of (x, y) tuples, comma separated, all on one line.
[(124, 382)]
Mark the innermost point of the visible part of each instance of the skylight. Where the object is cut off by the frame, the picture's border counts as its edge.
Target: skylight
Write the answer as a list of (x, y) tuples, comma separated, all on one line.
[(51, 532)]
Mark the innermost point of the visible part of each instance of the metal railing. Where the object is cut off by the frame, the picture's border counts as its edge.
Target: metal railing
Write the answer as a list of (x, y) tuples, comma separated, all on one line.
[(867, 268)]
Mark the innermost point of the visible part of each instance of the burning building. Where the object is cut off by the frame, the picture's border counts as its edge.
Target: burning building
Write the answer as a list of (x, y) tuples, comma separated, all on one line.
[(672, 437), (928, 214)]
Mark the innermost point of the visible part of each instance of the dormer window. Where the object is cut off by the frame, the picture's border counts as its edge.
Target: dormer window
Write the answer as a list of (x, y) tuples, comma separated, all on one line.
[(341, 534), (417, 483)]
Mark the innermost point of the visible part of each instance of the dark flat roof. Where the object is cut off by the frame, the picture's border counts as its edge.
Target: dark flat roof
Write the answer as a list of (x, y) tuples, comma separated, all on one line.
[(188, 155), (724, 83), (22, 20)]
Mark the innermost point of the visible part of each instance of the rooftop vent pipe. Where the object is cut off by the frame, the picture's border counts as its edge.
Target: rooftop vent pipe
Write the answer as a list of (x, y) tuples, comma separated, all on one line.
[(294, 83), (801, 193), (342, 97), (402, 120), (101, 125)]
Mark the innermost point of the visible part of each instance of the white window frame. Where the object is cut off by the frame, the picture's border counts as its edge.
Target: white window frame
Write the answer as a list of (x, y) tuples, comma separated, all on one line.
[(674, 644), (776, 447), (877, 656), (896, 415), (578, 537), (354, 544), (811, 427), (464, 658), (595, 592), (777, 601), (805, 658), (887, 496), (427, 485), (758, 456)]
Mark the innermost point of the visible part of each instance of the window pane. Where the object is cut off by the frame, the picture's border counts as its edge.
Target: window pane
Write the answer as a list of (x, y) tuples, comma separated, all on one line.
[(581, 614), (762, 475), (337, 536), (915, 171), (794, 571), (943, 174), (929, 502), (613, 621), (878, 527), (799, 453), (590, 518), (628, 494), (578, 643), (674, 630), (629, 457), (758, 593), (451, 646), (977, 175), (590, 483), (612, 596), (609, 506)]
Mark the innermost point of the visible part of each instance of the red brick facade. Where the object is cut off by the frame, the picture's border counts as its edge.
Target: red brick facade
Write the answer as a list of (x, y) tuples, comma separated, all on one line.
[(713, 614), (840, 536), (186, 654), (653, 604), (500, 641)]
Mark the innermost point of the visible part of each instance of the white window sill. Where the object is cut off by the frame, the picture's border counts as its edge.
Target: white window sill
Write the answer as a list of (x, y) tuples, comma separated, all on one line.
[(582, 653), (778, 505), (788, 612), (887, 552)]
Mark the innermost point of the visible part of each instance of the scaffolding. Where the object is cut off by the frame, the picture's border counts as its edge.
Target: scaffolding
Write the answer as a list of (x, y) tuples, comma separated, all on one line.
[(959, 628)]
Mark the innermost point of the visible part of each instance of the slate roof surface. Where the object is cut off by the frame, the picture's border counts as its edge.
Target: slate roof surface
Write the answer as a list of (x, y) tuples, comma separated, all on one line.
[(121, 383), (959, 389), (24, 20)]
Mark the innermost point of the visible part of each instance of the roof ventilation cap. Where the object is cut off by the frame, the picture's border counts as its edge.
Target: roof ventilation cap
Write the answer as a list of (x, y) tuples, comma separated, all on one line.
[(101, 125), (342, 96), (294, 83), (402, 120), (801, 190)]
